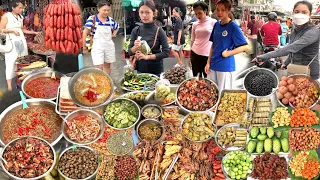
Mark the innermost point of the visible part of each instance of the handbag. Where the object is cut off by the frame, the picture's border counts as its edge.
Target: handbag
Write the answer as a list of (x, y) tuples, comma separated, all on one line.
[(134, 59), (300, 69), (7, 46), (92, 28)]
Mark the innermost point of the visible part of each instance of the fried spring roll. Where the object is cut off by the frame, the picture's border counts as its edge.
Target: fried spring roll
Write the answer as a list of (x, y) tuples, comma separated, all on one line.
[(241, 138), (263, 100), (264, 104), (260, 120), (261, 115), (250, 105), (239, 143), (263, 109)]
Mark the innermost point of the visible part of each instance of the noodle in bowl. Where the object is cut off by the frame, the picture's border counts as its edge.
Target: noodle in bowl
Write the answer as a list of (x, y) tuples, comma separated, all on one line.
[(39, 120), (83, 127)]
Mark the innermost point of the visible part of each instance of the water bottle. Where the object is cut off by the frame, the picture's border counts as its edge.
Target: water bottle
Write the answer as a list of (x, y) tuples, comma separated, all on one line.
[(80, 61)]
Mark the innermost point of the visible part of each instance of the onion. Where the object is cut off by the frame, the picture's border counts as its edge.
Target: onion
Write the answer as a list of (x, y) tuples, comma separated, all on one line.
[(283, 90), (292, 87), (290, 81), (279, 95), (284, 78), (285, 101), (288, 95), (283, 83)]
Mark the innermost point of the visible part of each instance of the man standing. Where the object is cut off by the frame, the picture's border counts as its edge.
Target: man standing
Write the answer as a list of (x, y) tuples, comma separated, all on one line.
[(271, 31)]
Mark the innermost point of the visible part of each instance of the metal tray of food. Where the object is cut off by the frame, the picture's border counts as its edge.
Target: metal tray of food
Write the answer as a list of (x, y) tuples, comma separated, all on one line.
[(219, 102)]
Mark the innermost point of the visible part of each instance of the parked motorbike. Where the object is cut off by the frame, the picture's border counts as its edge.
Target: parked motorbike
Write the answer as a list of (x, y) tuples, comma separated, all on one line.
[(274, 63)]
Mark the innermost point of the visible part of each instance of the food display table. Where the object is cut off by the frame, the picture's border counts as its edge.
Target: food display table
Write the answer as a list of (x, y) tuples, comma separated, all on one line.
[(173, 127)]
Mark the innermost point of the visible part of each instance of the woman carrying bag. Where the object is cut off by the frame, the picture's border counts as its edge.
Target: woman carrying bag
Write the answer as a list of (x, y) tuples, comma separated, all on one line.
[(303, 47), (12, 24), (103, 28), (155, 38)]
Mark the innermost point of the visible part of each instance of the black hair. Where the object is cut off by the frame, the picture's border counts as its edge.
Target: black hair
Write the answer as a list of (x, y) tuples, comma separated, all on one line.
[(178, 10), (15, 3), (149, 3), (202, 5), (227, 4), (253, 17), (103, 3), (307, 3)]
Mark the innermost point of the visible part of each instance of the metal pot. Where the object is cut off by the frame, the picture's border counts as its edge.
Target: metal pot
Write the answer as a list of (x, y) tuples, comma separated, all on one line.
[(87, 178), (18, 105), (254, 72), (316, 83), (37, 75), (125, 99), (187, 110), (39, 177), (82, 112), (211, 114), (74, 79), (150, 121)]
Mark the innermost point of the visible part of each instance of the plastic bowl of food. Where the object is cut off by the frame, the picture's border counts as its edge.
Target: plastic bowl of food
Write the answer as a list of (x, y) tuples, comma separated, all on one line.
[(266, 91), (25, 146), (83, 127), (198, 126), (151, 111), (287, 93), (150, 129), (121, 114), (80, 170)]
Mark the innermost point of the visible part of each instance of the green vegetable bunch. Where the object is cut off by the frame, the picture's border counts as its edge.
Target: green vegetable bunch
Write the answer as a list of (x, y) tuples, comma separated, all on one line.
[(121, 114)]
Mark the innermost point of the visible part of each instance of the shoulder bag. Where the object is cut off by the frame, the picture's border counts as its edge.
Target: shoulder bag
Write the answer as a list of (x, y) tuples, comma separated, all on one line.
[(92, 29), (300, 69), (7, 46), (134, 59)]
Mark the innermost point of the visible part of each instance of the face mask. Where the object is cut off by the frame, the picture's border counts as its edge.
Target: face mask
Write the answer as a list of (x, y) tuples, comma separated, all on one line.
[(300, 19)]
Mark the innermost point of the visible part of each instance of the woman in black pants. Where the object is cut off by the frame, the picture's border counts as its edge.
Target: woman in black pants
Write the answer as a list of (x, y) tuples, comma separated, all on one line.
[(200, 44)]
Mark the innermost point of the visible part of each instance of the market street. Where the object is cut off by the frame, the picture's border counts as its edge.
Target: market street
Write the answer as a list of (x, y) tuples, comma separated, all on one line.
[(242, 61)]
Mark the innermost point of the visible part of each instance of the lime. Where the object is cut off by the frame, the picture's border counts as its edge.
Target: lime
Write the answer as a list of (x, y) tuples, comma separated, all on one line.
[(235, 169), (250, 166), (232, 174), (243, 176), (238, 177), (245, 168)]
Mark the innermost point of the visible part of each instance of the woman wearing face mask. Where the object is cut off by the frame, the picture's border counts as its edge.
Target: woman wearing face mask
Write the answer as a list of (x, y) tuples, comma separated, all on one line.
[(303, 47), (227, 40), (200, 44), (12, 25), (103, 30), (154, 36)]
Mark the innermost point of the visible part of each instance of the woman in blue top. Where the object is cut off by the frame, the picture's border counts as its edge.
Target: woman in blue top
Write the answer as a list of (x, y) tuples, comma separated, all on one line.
[(227, 41)]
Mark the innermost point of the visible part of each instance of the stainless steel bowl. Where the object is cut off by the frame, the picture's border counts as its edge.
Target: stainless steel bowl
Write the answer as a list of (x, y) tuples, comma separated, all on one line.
[(254, 72), (74, 79), (130, 90), (211, 114), (187, 110), (18, 105), (152, 105), (37, 75), (316, 83), (150, 121), (83, 112), (150, 99), (85, 147), (39, 177), (224, 168), (232, 148), (123, 99)]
